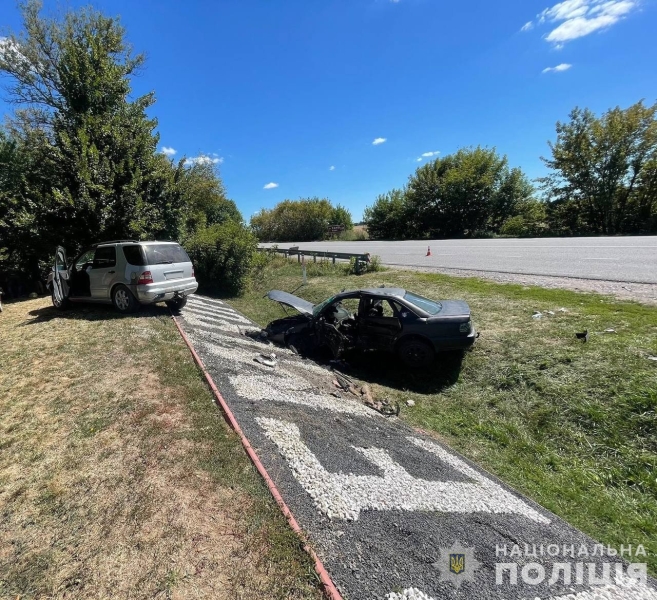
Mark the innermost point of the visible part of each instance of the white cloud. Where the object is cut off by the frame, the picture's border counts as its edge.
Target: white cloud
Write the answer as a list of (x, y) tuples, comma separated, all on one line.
[(578, 18), (331, 168), (204, 159), (558, 68), (378, 141), (168, 151), (270, 186), (427, 155)]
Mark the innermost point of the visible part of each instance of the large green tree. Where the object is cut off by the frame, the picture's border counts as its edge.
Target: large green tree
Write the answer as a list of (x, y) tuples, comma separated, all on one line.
[(103, 176), (464, 194), (604, 172)]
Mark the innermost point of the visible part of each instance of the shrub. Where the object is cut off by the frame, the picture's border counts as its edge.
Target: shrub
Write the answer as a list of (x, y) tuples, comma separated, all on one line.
[(353, 235), (372, 266), (223, 256)]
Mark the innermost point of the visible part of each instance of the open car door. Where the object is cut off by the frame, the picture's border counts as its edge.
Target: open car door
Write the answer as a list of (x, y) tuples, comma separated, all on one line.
[(60, 279)]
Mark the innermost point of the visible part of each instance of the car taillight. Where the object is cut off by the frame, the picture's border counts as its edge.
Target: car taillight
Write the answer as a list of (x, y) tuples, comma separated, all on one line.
[(193, 274), (145, 277), (465, 327)]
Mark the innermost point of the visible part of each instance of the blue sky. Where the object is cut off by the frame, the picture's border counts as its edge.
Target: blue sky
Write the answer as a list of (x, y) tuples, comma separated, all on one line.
[(296, 92)]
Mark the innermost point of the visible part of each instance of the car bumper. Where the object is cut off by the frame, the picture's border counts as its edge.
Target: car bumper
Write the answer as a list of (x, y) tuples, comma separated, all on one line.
[(456, 343), (155, 292)]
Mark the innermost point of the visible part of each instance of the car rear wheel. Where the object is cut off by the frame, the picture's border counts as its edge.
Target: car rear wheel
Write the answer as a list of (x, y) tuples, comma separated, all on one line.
[(123, 300), (177, 303), (415, 353)]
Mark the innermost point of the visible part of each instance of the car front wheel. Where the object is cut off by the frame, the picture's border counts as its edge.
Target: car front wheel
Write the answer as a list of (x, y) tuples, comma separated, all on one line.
[(123, 299), (177, 303), (415, 353)]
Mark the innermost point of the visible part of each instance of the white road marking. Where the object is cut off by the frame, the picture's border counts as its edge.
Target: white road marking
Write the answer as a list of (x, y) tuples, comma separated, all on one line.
[(626, 589), (344, 496), (218, 324), (207, 300), (210, 312), (294, 390)]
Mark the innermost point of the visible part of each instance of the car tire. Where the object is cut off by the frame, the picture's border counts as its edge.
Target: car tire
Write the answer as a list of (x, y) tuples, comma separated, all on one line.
[(415, 353), (59, 305), (177, 304), (123, 300), (298, 344)]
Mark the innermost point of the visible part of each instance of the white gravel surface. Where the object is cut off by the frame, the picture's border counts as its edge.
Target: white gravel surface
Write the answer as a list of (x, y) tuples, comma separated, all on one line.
[(344, 496)]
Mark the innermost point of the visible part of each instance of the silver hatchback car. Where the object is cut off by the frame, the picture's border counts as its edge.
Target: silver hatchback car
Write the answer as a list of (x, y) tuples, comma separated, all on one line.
[(125, 273)]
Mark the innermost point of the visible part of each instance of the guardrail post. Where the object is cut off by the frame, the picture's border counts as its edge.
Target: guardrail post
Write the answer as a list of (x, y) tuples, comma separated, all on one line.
[(314, 258), (333, 259)]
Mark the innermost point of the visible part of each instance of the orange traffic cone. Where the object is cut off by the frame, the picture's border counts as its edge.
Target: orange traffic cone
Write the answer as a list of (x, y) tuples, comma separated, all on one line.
[(428, 250)]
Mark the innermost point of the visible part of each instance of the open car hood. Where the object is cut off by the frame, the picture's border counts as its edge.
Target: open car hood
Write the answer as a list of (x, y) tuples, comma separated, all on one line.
[(298, 304)]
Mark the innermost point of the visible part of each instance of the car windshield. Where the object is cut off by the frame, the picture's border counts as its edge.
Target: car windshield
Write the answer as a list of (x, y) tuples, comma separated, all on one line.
[(320, 307), (428, 306), (162, 254)]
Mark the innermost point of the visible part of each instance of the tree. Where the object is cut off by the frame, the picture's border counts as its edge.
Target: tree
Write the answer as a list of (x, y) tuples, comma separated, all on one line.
[(606, 170), (301, 220), (389, 218), (204, 198), (464, 194), (341, 216), (74, 76)]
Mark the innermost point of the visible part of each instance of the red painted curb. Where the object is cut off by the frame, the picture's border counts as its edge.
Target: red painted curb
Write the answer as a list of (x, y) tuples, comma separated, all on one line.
[(329, 587)]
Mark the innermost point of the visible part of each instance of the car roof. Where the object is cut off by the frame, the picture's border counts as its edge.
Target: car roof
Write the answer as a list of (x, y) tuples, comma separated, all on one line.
[(390, 292), (112, 242)]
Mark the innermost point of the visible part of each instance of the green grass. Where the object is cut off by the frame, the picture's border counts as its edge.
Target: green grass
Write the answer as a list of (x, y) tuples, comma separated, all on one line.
[(573, 425)]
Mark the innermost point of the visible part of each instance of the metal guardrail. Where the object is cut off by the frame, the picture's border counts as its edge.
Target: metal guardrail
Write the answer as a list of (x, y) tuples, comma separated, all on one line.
[(361, 259)]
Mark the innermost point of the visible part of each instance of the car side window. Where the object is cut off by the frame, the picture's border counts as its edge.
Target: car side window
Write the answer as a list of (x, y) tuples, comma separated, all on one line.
[(105, 257), (388, 310), (134, 255), (402, 312), (85, 258), (350, 304)]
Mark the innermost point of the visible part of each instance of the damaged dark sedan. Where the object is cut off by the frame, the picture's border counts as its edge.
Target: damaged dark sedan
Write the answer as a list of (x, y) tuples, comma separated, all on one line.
[(389, 319)]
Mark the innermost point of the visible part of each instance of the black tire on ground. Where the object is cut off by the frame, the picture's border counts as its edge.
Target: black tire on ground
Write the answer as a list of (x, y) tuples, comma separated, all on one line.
[(415, 353), (62, 304), (298, 344), (176, 304), (123, 300)]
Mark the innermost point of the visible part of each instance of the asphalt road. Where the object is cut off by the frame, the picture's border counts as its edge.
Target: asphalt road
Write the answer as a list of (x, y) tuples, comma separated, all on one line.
[(391, 512), (627, 259)]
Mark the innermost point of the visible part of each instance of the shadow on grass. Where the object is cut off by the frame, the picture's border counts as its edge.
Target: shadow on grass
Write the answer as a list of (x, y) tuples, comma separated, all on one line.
[(92, 312), (387, 370)]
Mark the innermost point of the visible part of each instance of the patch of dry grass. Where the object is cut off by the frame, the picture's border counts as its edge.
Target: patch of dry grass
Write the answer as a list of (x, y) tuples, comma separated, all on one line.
[(119, 477)]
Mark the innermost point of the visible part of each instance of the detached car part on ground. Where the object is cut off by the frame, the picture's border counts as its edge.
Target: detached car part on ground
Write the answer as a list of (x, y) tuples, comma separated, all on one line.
[(125, 273), (390, 319)]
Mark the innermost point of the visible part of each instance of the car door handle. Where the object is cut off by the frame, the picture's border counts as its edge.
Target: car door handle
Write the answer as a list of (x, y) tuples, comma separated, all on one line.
[(109, 272)]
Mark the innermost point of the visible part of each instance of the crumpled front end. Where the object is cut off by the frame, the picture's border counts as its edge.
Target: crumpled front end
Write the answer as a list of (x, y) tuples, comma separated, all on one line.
[(279, 330)]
